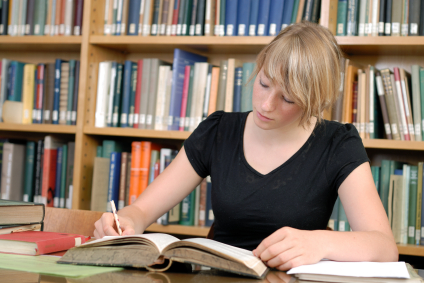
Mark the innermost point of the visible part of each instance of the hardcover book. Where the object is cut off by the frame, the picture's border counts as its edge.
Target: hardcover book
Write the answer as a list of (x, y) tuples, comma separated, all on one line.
[(19, 212), (144, 249)]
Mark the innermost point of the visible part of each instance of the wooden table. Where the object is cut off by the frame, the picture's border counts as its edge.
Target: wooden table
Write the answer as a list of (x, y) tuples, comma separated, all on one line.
[(129, 276)]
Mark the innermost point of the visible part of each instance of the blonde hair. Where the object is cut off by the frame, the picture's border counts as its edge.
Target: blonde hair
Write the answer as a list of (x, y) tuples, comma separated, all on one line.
[(304, 59)]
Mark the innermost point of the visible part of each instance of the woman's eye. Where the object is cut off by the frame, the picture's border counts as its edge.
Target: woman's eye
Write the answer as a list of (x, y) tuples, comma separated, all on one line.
[(288, 101), (262, 84)]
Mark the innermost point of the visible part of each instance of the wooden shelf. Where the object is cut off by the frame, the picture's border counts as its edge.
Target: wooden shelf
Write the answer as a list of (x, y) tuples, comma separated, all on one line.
[(39, 128), (194, 231), (411, 250), (392, 144), (382, 45), (206, 44), (129, 132), (40, 43)]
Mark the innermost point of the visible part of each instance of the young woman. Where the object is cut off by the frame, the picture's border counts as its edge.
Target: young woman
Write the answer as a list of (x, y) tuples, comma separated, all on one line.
[(277, 171)]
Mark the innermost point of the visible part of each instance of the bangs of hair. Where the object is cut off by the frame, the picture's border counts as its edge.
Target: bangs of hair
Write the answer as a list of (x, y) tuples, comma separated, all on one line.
[(305, 62)]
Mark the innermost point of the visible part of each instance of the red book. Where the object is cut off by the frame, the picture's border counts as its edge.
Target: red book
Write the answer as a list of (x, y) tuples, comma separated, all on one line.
[(79, 4), (40, 92), (175, 17), (184, 98), (38, 242), (138, 93)]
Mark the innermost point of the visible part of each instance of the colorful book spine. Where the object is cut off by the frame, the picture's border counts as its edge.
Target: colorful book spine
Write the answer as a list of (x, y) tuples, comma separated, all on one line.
[(59, 168), (113, 184), (29, 171)]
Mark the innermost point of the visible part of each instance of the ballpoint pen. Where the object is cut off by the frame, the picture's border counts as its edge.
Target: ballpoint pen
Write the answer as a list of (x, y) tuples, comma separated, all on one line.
[(112, 204)]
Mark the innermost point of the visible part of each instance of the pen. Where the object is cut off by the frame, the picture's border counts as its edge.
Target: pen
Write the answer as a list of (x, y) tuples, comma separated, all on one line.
[(112, 204)]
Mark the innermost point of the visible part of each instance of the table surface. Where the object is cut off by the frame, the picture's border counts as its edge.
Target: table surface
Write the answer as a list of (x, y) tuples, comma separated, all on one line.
[(132, 275)]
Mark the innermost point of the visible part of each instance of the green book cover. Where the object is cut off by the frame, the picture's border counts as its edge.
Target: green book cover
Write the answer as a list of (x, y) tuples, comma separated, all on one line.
[(187, 209), (419, 203), (70, 92), (343, 222), (117, 96), (110, 146), (295, 9), (29, 171), (63, 176), (222, 17), (189, 100), (99, 151), (247, 87), (16, 78), (132, 94), (187, 17), (40, 16), (416, 101), (412, 211), (422, 97)]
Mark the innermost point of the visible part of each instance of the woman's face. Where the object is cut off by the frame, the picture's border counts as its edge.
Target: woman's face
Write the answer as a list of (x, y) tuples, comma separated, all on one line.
[(273, 109)]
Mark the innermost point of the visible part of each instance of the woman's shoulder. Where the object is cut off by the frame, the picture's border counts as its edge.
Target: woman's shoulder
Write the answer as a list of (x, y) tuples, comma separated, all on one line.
[(227, 118), (337, 129)]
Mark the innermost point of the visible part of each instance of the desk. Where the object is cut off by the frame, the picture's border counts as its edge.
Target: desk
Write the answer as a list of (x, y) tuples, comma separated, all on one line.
[(130, 276)]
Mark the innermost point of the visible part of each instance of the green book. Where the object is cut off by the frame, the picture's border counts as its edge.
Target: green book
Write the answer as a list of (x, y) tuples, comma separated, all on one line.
[(63, 176), (187, 17), (16, 78), (70, 92), (40, 16), (247, 87), (222, 17), (110, 146), (412, 211), (29, 172), (187, 209), (117, 96), (99, 151), (295, 9), (343, 222), (387, 168), (132, 95)]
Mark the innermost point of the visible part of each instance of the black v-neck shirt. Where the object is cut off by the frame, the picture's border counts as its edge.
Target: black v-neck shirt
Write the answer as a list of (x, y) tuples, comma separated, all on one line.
[(300, 193)]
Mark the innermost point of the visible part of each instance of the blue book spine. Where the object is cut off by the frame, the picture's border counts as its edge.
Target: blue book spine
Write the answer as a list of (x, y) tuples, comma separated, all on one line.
[(181, 60), (126, 94), (230, 17), (209, 212), (287, 13), (243, 14), (275, 16), (114, 175), (56, 96), (58, 177), (133, 17), (253, 18), (238, 78), (263, 18)]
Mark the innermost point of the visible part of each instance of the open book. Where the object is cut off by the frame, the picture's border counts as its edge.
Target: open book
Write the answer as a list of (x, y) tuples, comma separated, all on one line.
[(372, 272), (144, 249)]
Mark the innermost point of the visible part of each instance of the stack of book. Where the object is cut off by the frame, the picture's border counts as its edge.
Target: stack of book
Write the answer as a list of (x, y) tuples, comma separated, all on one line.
[(131, 170), (43, 17), (20, 216), (48, 92), (382, 103), (206, 17), (40, 171), (379, 17), (150, 94)]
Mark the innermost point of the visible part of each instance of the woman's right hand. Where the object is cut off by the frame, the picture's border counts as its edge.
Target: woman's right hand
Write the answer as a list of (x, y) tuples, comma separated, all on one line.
[(106, 226)]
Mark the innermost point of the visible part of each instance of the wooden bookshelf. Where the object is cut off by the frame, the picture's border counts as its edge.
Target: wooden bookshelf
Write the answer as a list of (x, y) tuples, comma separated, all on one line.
[(93, 47)]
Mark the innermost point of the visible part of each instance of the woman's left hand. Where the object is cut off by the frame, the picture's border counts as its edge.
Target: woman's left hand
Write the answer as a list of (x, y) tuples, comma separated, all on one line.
[(288, 247)]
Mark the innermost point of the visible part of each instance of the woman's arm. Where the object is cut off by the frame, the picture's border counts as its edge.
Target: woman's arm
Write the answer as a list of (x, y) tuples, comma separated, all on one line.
[(370, 240), (167, 190)]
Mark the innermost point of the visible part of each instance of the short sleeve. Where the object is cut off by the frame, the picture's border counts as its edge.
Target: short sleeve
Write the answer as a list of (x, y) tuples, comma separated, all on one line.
[(200, 143), (346, 153)]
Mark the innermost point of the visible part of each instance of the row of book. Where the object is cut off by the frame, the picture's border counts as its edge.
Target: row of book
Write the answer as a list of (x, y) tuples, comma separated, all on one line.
[(400, 186), (131, 170), (150, 95), (206, 17), (48, 92), (37, 171), (41, 17), (382, 103), (380, 17)]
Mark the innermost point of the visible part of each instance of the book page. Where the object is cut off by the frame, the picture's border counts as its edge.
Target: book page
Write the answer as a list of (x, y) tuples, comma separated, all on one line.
[(237, 254), (354, 269), (157, 239)]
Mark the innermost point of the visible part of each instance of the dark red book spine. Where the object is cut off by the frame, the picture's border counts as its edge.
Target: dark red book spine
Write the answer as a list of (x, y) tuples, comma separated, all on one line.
[(40, 92), (79, 4)]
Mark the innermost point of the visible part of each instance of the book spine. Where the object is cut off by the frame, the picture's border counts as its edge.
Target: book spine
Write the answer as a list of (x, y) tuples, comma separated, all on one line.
[(56, 97), (122, 180), (28, 93), (113, 184), (4, 17), (383, 105), (71, 85), (382, 17), (59, 169), (243, 13), (231, 17), (263, 18), (126, 94), (132, 94), (76, 91), (135, 171), (49, 176), (38, 171), (59, 244), (412, 210), (29, 26), (63, 176), (200, 18), (184, 97), (40, 91), (419, 203), (237, 89), (117, 96), (79, 6), (29, 171)]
